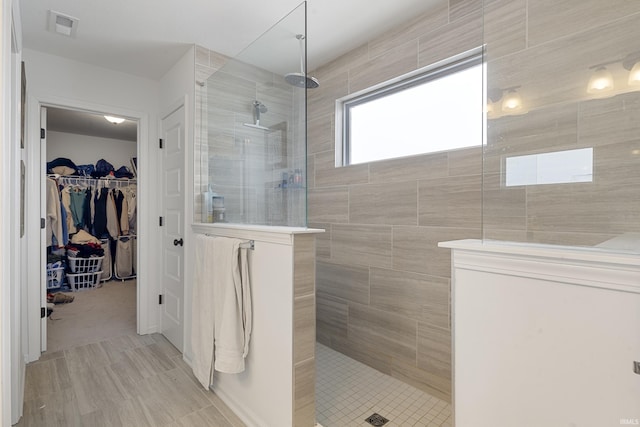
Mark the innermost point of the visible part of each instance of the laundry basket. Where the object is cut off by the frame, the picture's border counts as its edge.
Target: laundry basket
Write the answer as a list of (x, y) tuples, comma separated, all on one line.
[(55, 277), (83, 281), (85, 265)]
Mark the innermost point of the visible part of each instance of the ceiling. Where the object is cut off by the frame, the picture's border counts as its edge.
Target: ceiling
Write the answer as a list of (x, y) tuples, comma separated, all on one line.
[(147, 37), (82, 123)]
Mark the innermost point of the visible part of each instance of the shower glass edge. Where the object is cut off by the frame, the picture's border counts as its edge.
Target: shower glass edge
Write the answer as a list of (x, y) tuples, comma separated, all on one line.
[(251, 158)]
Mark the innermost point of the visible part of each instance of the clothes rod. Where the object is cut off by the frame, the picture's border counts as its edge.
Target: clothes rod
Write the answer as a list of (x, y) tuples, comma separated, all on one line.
[(244, 245)]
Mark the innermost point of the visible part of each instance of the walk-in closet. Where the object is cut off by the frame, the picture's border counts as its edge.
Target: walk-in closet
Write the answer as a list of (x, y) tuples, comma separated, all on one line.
[(91, 224)]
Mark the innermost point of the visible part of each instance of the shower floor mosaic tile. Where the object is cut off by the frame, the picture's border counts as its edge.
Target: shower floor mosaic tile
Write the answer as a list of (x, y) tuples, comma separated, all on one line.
[(348, 392)]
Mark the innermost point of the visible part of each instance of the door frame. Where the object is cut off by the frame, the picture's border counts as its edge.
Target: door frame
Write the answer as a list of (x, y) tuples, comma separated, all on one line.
[(35, 182)]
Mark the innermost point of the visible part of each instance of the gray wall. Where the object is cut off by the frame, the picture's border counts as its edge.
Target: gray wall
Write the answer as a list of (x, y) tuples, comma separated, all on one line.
[(383, 286)]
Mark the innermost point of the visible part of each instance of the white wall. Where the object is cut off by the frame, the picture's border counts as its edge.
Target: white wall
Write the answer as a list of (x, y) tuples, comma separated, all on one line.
[(544, 336), (56, 81), (84, 149), (176, 87)]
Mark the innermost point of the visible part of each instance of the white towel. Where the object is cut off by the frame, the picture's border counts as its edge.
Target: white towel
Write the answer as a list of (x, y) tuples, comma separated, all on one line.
[(232, 302), (221, 314)]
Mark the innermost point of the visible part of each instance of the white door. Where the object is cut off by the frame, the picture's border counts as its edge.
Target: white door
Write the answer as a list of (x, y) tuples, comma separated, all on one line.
[(173, 136), (43, 238)]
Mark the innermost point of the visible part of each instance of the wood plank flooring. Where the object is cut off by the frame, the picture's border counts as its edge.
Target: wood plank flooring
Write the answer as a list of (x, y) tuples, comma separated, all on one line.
[(129, 380)]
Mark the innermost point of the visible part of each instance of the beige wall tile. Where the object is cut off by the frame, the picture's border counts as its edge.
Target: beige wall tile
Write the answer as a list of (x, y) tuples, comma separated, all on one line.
[(332, 316), (416, 248), (359, 348), (304, 331), (409, 168), (456, 37), (322, 101), (347, 282), (323, 240), (387, 333), (505, 27), (304, 262), (329, 204), (503, 207), (384, 67), (435, 385), (320, 136), (328, 175), (435, 17), (341, 65), (460, 8), (613, 121), (304, 394), (466, 161), (549, 19), (434, 350), (450, 202), (412, 295), (368, 245), (394, 203)]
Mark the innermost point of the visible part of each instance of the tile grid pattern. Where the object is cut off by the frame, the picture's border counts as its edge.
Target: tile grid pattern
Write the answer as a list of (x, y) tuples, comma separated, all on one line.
[(348, 391)]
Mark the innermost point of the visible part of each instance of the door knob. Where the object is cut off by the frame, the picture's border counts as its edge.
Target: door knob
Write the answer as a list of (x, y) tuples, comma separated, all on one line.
[(177, 242)]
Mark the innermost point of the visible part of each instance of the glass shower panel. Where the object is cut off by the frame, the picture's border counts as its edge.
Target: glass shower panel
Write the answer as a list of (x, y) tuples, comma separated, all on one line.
[(255, 130), (562, 151)]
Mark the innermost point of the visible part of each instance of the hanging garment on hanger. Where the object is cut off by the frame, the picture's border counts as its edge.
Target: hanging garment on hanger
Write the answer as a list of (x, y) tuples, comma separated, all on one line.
[(118, 198), (66, 204), (77, 207), (100, 218), (87, 219), (124, 216), (131, 197), (54, 215), (112, 216)]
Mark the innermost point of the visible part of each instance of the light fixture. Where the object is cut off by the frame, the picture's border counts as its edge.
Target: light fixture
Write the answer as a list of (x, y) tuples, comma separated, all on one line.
[(601, 81), (632, 63), (62, 24), (114, 120), (512, 102)]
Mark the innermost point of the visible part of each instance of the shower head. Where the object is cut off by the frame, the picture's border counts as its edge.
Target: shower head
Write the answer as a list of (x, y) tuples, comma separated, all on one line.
[(258, 108), (301, 79)]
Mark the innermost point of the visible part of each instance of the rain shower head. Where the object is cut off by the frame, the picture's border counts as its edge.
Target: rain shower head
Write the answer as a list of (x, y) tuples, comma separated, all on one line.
[(301, 79)]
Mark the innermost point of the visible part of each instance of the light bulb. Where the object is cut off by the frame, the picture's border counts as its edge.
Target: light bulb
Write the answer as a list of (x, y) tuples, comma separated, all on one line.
[(634, 75), (600, 81), (114, 120), (512, 102)]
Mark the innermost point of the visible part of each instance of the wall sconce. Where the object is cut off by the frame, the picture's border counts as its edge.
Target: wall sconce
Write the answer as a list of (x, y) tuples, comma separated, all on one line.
[(632, 63), (601, 81), (504, 102), (114, 120)]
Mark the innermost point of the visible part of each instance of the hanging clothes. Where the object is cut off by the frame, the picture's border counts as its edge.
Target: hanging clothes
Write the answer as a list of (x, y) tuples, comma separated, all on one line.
[(54, 215), (100, 218), (66, 204), (77, 207), (87, 219), (113, 226), (130, 195)]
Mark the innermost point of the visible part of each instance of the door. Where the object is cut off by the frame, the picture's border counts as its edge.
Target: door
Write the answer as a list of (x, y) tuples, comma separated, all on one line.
[(173, 148), (43, 238)]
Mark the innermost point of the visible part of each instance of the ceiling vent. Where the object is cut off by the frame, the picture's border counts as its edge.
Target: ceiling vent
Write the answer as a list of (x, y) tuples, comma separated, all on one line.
[(62, 24)]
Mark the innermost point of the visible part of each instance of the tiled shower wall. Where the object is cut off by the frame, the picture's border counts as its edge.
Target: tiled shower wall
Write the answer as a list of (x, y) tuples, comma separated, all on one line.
[(383, 285)]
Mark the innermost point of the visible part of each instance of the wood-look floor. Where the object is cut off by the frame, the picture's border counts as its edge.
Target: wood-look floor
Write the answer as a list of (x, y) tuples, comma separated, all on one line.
[(129, 380)]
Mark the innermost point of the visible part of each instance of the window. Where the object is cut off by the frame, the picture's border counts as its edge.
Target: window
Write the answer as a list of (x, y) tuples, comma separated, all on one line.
[(437, 109), (557, 167)]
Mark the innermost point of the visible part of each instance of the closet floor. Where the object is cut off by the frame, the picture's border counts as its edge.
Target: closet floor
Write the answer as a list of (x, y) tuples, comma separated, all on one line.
[(94, 315), (118, 380)]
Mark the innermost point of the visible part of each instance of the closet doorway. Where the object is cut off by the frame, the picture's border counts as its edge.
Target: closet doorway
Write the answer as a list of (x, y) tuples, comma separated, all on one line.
[(91, 227)]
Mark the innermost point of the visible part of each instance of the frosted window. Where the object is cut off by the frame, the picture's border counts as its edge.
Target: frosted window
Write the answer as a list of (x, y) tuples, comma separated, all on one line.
[(550, 168)]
